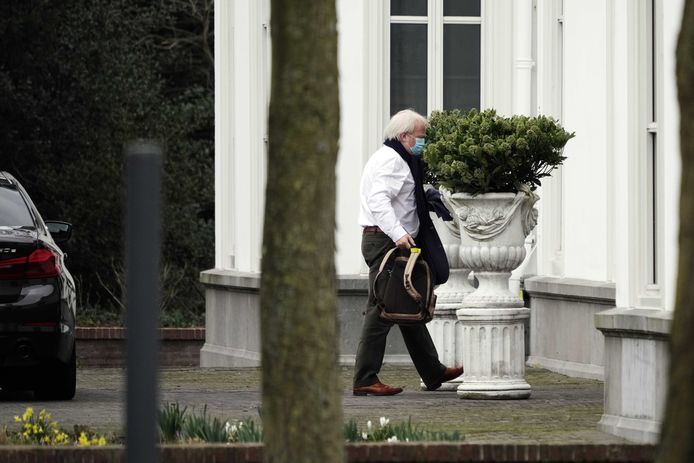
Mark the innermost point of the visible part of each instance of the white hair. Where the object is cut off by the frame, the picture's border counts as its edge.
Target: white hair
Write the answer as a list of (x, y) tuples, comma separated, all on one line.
[(403, 122)]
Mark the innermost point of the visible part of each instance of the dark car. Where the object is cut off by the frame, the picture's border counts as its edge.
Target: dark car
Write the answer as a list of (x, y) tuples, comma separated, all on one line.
[(37, 299)]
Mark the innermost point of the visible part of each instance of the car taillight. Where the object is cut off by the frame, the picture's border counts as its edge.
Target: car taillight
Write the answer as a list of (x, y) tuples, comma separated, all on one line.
[(42, 263)]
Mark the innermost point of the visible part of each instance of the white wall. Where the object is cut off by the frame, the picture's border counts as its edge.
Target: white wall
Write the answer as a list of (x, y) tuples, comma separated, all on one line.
[(358, 119), (588, 167), (242, 51)]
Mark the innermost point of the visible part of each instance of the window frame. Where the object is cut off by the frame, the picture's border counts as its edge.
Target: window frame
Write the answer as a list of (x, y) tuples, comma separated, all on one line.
[(435, 21), (651, 245)]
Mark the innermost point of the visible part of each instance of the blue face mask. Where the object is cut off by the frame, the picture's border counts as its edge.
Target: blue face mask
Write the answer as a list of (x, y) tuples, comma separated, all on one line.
[(418, 147)]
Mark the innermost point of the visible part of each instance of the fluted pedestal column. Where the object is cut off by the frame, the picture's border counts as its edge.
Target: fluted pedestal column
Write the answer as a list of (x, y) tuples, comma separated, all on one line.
[(493, 353), (445, 328), (446, 332)]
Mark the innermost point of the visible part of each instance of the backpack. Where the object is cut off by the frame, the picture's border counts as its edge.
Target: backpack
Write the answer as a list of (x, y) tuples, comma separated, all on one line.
[(404, 288)]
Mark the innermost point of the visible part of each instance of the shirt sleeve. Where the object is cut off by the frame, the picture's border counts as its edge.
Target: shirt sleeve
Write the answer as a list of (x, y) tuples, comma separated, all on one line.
[(386, 184)]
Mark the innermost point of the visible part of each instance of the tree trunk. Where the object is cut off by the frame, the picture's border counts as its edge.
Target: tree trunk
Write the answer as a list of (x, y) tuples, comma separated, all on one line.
[(677, 444), (302, 409)]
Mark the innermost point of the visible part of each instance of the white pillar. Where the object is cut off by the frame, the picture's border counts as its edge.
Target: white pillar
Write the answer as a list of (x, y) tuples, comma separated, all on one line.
[(223, 104), (522, 104), (497, 57), (549, 89), (242, 60), (523, 56)]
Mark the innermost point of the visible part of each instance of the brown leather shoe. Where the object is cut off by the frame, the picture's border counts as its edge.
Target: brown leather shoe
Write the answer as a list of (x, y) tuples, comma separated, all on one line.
[(448, 374), (376, 389)]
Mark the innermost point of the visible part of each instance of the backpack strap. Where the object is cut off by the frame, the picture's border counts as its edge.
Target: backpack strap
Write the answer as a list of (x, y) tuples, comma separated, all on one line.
[(407, 277), (385, 259)]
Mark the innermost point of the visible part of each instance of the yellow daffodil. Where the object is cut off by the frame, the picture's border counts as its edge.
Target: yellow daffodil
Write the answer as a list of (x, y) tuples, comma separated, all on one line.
[(83, 439)]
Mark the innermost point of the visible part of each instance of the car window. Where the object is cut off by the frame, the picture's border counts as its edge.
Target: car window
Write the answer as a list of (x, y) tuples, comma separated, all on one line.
[(13, 210)]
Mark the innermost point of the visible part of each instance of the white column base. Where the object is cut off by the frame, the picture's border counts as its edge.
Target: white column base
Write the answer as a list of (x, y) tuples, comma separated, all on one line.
[(493, 353), (494, 389), (445, 329), (446, 332)]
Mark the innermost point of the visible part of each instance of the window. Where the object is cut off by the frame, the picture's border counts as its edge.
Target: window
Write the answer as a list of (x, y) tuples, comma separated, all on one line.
[(435, 59), (651, 162), (652, 147)]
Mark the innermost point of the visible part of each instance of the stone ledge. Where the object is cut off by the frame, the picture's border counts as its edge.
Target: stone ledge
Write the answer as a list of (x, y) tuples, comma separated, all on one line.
[(575, 289), (231, 279), (353, 283), (568, 368), (633, 429), (356, 453), (652, 323), (245, 281)]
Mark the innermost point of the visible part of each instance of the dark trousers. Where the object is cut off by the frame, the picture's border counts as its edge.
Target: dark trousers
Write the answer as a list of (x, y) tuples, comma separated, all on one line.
[(372, 344)]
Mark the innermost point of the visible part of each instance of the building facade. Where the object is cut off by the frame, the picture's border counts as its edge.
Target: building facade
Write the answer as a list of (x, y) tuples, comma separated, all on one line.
[(600, 275)]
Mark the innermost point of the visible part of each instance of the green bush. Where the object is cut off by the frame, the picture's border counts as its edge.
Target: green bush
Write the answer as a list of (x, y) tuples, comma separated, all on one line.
[(482, 152)]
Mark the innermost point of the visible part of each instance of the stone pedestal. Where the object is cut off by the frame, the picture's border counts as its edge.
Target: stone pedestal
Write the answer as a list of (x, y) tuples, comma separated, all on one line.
[(493, 353), (446, 332), (636, 365), (445, 328)]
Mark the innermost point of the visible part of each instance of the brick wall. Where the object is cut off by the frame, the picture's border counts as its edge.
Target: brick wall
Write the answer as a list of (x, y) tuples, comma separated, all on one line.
[(105, 346), (356, 453)]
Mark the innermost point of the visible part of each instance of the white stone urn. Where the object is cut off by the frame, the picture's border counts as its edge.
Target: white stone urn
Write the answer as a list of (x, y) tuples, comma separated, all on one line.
[(492, 241), (450, 294), (493, 228)]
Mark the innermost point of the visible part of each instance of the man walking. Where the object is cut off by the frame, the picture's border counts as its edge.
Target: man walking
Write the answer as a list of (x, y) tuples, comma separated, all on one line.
[(394, 212)]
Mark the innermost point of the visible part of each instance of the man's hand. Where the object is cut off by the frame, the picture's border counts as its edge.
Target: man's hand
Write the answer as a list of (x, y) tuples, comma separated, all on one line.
[(406, 242)]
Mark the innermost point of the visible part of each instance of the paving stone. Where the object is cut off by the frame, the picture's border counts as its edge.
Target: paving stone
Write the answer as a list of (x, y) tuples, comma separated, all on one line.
[(560, 410)]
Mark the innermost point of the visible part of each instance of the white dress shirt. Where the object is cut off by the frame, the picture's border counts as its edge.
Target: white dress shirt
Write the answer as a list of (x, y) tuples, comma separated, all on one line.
[(387, 195)]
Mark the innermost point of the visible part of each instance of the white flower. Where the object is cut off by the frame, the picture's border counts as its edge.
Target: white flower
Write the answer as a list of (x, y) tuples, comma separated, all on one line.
[(234, 429), (384, 421), (392, 439), (227, 427), (364, 436), (368, 425)]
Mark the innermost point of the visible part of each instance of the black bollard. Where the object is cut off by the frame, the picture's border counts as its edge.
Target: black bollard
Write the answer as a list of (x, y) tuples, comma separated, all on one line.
[(143, 163)]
